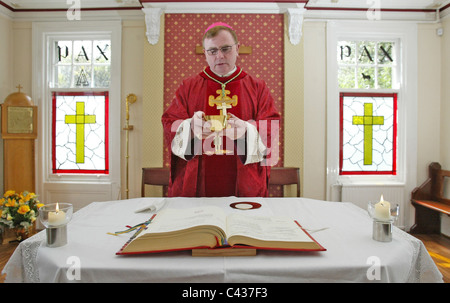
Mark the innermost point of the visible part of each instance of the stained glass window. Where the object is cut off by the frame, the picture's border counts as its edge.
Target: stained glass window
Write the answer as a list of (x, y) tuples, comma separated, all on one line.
[(368, 133), (80, 132), (367, 64), (80, 116), (82, 63)]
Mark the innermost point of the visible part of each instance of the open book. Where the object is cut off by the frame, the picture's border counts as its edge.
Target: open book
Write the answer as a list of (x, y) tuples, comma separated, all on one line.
[(210, 227)]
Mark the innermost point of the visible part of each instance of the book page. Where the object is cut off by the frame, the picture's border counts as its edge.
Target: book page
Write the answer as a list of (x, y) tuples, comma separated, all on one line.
[(169, 219), (266, 228)]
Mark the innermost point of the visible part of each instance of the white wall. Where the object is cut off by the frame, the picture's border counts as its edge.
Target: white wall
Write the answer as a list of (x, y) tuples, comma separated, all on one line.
[(430, 95), (445, 112), (429, 98), (133, 39), (314, 159), (445, 95), (6, 52)]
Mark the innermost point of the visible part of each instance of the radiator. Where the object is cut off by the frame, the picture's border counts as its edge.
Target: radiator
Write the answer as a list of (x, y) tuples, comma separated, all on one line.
[(360, 195)]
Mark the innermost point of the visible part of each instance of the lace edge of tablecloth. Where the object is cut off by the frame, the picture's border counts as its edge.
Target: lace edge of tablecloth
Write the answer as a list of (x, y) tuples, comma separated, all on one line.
[(21, 266), (423, 269)]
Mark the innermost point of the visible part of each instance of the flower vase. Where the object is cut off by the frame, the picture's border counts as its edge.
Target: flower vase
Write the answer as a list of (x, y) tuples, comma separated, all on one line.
[(17, 234)]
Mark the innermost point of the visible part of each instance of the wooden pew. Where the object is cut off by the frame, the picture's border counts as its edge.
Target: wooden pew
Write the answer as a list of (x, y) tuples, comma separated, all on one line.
[(429, 201)]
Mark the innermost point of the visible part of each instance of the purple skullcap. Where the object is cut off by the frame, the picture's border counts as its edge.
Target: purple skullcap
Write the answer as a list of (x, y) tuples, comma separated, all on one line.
[(218, 24)]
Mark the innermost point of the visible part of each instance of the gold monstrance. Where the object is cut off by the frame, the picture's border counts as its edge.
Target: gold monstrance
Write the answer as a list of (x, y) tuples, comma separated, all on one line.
[(219, 122), (223, 102), (131, 98)]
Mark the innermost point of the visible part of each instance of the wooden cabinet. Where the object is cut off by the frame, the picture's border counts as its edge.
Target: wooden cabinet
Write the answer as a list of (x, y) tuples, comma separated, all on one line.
[(19, 131)]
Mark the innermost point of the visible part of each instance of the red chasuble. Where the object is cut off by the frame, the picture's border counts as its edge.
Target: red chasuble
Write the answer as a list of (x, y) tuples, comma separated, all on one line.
[(204, 175)]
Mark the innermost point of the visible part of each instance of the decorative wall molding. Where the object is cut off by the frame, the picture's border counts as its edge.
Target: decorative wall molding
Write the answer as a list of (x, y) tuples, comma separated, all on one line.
[(152, 23), (295, 20), (153, 11)]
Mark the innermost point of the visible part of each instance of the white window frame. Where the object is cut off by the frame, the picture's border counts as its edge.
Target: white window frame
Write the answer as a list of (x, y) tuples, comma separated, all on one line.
[(405, 34), (44, 34)]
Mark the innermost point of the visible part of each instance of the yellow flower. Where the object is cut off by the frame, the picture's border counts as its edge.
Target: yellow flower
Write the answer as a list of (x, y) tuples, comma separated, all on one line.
[(18, 209), (11, 202), (29, 196), (23, 209), (9, 193)]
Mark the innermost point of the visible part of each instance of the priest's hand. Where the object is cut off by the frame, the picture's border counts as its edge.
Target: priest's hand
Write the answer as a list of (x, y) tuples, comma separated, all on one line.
[(236, 128), (199, 127)]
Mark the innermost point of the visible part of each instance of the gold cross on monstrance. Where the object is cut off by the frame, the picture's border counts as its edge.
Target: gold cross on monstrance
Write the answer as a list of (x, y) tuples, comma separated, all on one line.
[(223, 102)]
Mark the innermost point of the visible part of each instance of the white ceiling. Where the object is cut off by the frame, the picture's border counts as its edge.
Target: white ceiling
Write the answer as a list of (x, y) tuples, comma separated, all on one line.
[(359, 4), (63, 4)]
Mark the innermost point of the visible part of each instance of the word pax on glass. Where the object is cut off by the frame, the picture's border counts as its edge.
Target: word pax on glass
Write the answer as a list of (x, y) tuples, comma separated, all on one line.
[(82, 63), (367, 64)]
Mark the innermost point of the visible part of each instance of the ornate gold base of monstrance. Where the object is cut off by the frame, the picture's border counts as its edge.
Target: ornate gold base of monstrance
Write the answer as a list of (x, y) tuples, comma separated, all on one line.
[(218, 123)]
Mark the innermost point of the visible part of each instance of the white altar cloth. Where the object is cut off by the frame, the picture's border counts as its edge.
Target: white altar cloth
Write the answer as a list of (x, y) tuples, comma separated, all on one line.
[(344, 229)]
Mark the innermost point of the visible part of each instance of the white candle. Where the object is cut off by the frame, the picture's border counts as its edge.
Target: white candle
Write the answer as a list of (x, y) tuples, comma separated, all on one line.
[(56, 217), (383, 210)]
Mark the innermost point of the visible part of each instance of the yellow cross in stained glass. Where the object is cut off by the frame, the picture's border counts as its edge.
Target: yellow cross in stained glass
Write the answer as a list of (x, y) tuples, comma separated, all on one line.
[(80, 119), (368, 120)]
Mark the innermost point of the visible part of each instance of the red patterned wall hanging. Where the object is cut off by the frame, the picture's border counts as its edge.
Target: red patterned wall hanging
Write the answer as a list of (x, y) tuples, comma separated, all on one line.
[(264, 33)]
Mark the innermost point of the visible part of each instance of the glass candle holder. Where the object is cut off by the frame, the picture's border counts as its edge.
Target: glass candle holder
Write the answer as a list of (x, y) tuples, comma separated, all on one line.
[(55, 218), (383, 215)]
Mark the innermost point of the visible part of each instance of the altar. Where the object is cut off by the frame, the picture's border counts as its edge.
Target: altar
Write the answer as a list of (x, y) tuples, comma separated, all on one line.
[(343, 229)]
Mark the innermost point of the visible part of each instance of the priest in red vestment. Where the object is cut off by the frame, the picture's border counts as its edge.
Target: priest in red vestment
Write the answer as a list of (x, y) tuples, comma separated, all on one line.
[(221, 158)]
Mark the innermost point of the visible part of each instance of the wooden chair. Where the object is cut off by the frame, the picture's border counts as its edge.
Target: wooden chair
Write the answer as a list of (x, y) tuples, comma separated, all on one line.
[(285, 176), (155, 176), (429, 201)]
